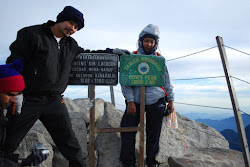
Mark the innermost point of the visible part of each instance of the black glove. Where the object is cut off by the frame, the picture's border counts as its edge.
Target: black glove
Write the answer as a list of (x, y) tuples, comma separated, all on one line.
[(167, 111), (118, 51), (34, 159), (86, 51)]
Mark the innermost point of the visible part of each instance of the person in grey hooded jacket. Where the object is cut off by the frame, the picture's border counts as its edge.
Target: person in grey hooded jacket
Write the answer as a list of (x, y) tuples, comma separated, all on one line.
[(155, 105)]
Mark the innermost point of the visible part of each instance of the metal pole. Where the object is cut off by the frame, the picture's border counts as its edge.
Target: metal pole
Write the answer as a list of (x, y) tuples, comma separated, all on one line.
[(89, 91), (237, 113), (92, 124), (112, 95), (142, 110)]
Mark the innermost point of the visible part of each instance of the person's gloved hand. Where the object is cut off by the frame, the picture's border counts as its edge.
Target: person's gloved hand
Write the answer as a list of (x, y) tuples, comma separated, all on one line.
[(118, 51), (16, 107), (19, 103), (34, 159)]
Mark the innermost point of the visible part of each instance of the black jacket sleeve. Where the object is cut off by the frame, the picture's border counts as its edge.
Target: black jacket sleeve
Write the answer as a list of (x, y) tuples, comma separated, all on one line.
[(22, 47), (80, 50)]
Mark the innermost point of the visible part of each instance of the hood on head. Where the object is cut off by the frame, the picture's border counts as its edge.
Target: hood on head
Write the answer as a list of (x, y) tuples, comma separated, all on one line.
[(151, 31)]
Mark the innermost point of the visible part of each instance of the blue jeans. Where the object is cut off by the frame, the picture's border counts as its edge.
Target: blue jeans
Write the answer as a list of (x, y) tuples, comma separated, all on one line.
[(154, 116)]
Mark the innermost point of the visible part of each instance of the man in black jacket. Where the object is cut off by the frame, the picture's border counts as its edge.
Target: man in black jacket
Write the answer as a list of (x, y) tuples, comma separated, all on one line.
[(11, 84), (47, 52)]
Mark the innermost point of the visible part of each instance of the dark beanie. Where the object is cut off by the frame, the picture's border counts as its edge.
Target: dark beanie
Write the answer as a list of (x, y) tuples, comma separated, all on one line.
[(71, 14)]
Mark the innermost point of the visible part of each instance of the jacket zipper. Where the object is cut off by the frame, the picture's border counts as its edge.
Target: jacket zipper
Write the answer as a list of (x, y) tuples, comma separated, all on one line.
[(58, 63)]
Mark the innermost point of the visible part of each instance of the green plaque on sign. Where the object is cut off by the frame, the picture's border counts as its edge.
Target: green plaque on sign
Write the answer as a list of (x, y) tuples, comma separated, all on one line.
[(142, 70)]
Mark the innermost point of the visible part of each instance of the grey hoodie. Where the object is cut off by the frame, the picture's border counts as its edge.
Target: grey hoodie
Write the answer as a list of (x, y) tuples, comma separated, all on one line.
[(152, 93)]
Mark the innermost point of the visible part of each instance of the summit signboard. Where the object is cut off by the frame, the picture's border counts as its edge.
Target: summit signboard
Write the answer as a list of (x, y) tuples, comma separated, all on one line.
[(142, 70), (94, 69)]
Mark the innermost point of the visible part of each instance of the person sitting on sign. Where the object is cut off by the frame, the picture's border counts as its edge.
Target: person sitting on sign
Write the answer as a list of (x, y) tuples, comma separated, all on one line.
[(155, 106)]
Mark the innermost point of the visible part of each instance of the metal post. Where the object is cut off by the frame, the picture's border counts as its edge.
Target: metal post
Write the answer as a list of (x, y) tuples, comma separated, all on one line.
[(89, 91), (92, 124), (112, 95), (142, 110), (237, 113)]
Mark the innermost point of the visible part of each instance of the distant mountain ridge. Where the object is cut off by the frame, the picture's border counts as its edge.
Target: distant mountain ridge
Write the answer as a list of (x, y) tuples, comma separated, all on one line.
[(228, 123), (233, 138), (207, 115)]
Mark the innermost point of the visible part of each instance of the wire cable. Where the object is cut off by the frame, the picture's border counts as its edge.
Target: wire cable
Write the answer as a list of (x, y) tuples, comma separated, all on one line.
[(204, 106), (237, 50), (197, 105), (192, 54), (76, 91), (103, 92), (244, 112), (240, 80), (199, 78), (117, 91)]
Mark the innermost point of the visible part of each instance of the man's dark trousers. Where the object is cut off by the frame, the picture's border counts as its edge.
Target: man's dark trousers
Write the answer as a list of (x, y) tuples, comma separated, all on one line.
[(52, 112), (154, 116)]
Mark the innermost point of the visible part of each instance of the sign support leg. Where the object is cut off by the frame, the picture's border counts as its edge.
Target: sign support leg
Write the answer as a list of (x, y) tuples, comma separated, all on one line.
[(142, 110), (112, 95), (92, 124)]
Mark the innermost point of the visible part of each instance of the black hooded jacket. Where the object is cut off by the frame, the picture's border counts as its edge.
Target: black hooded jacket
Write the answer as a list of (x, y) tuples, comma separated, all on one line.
[(5, 161), (2, 129), (47, 64)]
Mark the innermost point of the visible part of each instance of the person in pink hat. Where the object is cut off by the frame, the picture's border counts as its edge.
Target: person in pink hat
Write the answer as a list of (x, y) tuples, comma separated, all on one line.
[(11, 85)]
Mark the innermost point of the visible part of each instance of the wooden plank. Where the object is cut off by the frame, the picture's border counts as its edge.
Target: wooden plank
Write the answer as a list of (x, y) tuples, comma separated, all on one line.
[(113, 130)]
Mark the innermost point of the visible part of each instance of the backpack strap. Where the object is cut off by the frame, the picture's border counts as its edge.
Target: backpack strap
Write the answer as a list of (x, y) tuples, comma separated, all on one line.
[(164, 90)]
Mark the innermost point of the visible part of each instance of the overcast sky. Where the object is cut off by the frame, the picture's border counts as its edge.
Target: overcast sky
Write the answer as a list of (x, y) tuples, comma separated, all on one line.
[(186, 27)]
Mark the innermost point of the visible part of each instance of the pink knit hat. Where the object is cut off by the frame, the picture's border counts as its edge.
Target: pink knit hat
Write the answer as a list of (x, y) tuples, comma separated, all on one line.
[(10, 79)]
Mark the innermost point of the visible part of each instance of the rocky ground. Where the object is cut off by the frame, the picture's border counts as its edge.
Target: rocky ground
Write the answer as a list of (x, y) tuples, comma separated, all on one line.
[(191, 145)]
